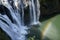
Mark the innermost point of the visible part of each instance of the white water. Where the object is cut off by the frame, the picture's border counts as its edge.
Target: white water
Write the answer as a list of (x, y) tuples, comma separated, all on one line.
[(34, 11), (17, 30)]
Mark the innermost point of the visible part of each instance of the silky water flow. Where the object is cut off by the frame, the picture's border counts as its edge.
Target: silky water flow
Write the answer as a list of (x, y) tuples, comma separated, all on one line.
[(17, 29)]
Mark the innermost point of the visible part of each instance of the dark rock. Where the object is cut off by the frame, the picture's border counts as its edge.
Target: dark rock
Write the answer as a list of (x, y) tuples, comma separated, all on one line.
[(4, 35), (35, 33), (49, 8), (5, 11)]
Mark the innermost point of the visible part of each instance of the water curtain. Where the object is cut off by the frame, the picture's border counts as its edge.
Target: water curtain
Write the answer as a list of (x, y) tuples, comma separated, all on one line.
[(17, 29)]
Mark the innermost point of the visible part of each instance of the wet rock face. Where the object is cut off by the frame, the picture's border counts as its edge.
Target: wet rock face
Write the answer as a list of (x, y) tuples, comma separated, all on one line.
[(26, 16), (35, 33)]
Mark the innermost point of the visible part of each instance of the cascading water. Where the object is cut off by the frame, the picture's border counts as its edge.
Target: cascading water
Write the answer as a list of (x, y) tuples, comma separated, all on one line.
[(34, 11), (16, 29)]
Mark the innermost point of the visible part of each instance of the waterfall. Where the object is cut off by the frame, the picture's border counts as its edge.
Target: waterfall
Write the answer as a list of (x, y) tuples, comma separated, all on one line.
[(34, 7), (16, 29)]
